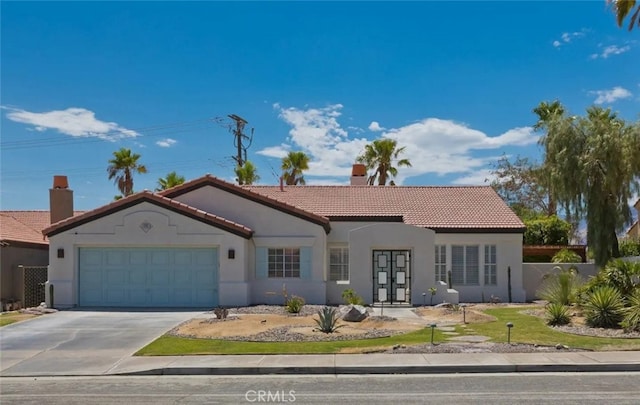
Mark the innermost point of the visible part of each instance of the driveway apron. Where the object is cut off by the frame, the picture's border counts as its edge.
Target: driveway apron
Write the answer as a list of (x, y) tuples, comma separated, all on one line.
[(80, 342)]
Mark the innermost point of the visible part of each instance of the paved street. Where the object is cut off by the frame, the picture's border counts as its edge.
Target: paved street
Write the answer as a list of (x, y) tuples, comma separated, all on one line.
[(80, 342), (513, 388)]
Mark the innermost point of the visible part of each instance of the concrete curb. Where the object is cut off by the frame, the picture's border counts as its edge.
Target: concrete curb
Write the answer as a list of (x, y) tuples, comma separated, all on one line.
[(433, 369)]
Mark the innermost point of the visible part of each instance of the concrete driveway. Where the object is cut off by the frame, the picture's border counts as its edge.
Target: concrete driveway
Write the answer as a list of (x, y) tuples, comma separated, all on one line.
[(80, 342)]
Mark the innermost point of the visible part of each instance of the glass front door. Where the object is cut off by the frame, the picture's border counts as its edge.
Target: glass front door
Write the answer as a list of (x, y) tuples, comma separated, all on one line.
[(391, 276)]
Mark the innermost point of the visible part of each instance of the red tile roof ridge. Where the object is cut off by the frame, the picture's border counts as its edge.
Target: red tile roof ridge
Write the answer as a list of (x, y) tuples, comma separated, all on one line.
[(142, 195), (209, 179)]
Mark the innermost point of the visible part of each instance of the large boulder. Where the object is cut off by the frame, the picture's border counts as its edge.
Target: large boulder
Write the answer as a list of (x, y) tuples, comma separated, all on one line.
[(353, 313)]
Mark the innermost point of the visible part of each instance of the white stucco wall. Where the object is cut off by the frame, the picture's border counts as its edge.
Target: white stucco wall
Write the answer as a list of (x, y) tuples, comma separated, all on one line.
[(122, 229), (363, 238), (275, 229), (509, 254)]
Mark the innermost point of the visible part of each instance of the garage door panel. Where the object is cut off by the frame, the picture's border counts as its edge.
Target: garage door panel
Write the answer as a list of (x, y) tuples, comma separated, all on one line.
[(115, 296), (93, 276), (205, 258), (137, 276), (203, 296), (137, 258), (116, 276), (116, 258), (182, 258), (205, 276), (160, 258), (91, 258), (160, 277), (182, 278), (148, 277)]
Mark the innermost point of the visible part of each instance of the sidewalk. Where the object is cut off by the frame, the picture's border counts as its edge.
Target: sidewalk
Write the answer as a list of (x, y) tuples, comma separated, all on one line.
[(379, 363)]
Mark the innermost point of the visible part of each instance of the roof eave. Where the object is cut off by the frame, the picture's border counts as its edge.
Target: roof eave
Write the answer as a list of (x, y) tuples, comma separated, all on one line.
[(250, 195), (90, 216)]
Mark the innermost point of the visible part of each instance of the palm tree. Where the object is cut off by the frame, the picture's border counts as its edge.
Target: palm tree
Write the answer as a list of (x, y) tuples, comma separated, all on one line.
[(247, 173), (622, 9), (380, 155), (293, 165), (122, 167), (170, 180)]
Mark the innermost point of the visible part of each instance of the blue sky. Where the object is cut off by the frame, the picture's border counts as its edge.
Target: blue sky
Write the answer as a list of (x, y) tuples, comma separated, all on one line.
[(454, 82)]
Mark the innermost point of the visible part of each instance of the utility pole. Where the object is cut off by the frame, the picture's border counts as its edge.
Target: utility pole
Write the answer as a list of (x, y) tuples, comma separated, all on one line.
[(239, 137)]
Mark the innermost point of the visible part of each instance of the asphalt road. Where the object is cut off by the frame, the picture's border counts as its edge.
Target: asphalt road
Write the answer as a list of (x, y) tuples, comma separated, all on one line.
[(516, 388)]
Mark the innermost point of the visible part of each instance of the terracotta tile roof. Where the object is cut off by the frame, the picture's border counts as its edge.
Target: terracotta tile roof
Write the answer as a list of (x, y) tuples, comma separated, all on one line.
[(248, 193), (25, 226), (147, 196), (440, 208)]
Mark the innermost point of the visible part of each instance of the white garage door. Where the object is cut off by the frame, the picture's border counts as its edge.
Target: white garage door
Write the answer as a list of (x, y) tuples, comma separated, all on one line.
[(148, 277)]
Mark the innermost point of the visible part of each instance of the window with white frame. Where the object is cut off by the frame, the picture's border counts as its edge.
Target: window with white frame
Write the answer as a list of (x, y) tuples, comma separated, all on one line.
[(284, 262), (465, 266), (339, 263), (490, 265), (441, 263)]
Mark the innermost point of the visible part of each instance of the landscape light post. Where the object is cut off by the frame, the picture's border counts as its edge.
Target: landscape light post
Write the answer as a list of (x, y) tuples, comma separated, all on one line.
[(509, 326), (433, 326)]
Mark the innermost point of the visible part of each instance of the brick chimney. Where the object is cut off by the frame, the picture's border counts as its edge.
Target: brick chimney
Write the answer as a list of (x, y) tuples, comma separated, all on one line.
[(60, 199), (359, 175)]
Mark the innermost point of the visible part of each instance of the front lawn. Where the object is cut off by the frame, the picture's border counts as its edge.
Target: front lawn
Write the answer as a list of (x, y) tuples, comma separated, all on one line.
[(7, 318), (533, 330), (168, 345), (528, 329)]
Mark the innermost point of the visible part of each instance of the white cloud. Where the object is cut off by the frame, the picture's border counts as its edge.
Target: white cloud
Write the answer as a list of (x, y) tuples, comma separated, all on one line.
[(482, 177), (432, 145), (166, 143), (279, 151), (611, 95), (611, 50), (78, 122), (567, 37), (375, 127)]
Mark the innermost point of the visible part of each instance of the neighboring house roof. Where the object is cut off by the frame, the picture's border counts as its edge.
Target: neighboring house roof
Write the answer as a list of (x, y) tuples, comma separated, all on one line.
[(25, 226), (247, 193), (147, 196), (444, 209)]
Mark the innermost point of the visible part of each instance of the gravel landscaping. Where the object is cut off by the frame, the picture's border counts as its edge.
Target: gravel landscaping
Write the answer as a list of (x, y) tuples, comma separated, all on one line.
[(289, 330)]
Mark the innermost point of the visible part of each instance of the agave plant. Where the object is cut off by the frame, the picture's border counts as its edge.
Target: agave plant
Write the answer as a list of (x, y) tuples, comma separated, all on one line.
[(604, 307), (560, 287), (557, 314), (294, 304), (328, 320), (631, 321)]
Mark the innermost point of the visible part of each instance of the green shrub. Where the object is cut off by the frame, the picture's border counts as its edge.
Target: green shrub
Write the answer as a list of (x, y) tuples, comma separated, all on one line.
[(547, 231), (630, 247), (622, 275), (328, 320), (631, 320), (557, 314), (560, 287), (351, 298), (566, 256), (294, 304), (604, 307)]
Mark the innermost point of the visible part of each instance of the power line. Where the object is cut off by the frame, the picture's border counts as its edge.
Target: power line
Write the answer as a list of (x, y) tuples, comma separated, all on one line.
[(169, 129)]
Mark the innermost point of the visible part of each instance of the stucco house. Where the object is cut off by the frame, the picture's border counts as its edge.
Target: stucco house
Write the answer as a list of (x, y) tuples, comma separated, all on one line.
[(22, 245), (634, 230), (210, 243)]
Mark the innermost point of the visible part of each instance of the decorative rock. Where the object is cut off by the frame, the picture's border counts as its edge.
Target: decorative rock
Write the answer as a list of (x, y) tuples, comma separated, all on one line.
[(561, 346), (353, 313)]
